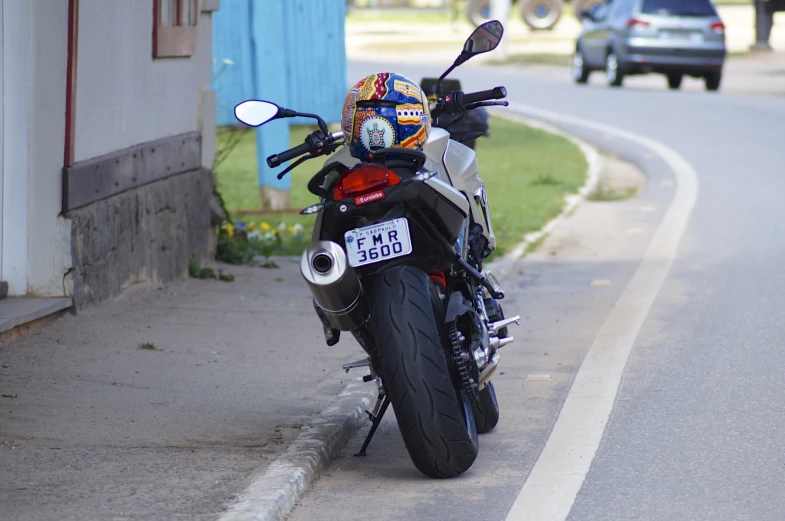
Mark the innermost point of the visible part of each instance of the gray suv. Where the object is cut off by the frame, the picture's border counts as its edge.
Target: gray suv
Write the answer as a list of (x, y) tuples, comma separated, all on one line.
[(670, 37)]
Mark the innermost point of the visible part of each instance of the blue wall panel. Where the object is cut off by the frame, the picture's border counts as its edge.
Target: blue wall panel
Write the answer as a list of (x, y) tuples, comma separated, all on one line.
[(232, 41), (290, 52), (316, 56)]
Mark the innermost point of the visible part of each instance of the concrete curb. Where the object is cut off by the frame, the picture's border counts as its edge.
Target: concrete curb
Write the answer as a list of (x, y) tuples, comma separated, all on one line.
[(273, 493), (503, 266)]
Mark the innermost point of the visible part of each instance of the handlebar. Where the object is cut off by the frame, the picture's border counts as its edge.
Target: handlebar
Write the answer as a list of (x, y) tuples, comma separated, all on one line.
[(315, 144), (458, 101), (277, 159), (485, 95)]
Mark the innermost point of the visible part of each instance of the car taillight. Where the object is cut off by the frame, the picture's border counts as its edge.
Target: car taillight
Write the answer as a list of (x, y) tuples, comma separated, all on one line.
[(637, 22), (363, 180), (718, 27)]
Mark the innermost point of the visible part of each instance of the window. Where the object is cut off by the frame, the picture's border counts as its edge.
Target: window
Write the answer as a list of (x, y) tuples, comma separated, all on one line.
[(678, 8), (174, 27)]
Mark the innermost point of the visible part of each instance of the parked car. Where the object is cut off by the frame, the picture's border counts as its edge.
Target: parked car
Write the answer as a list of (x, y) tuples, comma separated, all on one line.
[(539, 15), (670, 37)]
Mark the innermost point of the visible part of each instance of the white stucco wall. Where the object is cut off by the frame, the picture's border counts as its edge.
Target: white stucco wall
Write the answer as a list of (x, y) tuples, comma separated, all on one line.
[(15, 63), (124, 96), (49, 236)]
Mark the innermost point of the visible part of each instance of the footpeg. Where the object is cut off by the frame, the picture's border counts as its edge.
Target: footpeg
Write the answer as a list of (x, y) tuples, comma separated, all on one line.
[(365, 362), (493, 328)]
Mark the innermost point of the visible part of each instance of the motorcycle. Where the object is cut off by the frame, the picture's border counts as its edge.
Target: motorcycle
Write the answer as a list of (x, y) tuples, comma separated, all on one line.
[(396, 260)]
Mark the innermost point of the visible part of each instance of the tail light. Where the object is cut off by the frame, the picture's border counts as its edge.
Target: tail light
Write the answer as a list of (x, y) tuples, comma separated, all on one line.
[(637, 23), (363, 180), (718, 27)]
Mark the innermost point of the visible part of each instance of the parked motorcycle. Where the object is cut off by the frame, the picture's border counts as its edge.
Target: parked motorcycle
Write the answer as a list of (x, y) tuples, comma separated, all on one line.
[(396, 259)]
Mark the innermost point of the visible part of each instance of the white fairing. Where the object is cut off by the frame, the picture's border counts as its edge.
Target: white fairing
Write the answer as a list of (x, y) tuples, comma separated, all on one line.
[(458, 176)]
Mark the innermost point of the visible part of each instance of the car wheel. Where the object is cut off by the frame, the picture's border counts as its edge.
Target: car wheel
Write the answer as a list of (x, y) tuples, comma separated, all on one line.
[(713, 80), (674, 80), (584, 6), (580, 72), (613, 70), (541, 15), (479, 11)]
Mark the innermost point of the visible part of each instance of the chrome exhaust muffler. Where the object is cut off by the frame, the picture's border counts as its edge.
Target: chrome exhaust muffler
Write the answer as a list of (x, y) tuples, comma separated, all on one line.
[(488, 370), (335, 287)]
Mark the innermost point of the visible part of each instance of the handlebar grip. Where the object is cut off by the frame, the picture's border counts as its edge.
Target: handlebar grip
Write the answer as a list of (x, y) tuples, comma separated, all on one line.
[(278, 159), (485, 95)]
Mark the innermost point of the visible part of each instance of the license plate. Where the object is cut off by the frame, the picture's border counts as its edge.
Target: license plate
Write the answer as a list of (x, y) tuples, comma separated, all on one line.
[(693, 36), (378, 243)]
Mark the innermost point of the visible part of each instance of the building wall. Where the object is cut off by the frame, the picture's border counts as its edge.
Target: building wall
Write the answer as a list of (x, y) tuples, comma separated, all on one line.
[(124, 96), (16, 47), (49, 234), (139, 193)]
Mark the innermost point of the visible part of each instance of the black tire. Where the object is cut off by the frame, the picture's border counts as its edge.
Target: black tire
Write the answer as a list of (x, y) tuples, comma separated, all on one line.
[(479, 11), (580, 72), (713, 80), (486, 410), (674, 80), (613, 70), (541, 15), (584, 6), (436, 422)]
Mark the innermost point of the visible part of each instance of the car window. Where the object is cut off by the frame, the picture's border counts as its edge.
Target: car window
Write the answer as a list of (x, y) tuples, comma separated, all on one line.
[(603, 9), (621, 8), (678, 8)]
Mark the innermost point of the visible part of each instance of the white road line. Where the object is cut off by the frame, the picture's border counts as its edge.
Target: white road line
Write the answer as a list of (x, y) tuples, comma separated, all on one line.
[(553, 484)]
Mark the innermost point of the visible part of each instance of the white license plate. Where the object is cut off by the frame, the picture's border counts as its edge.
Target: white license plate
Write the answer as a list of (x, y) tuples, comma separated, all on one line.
[(693, 36), (379, 242)]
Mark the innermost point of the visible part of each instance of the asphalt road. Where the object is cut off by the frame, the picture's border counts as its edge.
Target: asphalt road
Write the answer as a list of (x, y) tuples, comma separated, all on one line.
[(695, 431)]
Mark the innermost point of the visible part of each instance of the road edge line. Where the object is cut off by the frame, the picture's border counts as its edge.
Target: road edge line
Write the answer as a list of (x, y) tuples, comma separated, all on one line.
[(550, 490)]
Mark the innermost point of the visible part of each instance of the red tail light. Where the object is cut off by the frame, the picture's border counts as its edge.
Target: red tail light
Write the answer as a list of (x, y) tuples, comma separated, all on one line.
[(363, 180), (718, 27), (637, 22)]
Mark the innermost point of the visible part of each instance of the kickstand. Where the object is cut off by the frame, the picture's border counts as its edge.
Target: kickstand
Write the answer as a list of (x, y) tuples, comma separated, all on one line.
[(376, 417)]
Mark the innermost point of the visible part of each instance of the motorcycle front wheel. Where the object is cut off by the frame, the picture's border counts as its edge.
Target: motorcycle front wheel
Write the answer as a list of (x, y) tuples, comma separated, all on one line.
[(435, 420)]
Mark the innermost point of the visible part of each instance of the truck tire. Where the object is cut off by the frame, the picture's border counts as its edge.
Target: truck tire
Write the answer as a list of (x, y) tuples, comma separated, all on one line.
[(436, 422), (541, 15), (583, 6), (479, 11)]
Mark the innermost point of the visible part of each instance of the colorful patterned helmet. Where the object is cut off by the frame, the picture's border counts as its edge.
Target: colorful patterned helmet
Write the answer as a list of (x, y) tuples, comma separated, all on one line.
[(385, 110)]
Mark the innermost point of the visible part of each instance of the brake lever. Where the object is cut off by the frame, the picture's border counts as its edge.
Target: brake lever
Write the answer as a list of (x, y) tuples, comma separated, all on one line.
[(487, 104), (296, 164)]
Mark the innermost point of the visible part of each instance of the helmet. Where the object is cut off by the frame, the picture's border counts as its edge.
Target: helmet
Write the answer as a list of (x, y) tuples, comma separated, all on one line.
[(385, 110)]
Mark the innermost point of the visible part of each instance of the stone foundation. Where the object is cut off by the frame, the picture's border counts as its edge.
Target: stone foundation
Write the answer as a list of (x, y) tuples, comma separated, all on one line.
[(146, 234)]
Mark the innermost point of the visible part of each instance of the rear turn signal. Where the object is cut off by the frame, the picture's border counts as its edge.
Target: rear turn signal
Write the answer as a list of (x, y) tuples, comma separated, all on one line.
[(718, 27), (637, 22), (363, 180)]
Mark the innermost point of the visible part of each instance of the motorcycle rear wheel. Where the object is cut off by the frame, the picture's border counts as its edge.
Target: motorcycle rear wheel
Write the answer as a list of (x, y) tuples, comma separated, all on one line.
[(486, 410), (435, 420)]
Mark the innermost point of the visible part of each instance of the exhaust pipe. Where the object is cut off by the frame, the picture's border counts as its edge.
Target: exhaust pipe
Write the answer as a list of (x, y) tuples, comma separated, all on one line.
[(488, 370), (335, 287)]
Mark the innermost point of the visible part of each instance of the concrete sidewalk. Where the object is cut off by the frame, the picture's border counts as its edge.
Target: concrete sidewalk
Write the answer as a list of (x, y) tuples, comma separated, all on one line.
[(92, 427)]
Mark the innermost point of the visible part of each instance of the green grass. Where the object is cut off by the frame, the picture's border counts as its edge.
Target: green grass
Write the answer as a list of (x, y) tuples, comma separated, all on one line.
[(527, 173), (561, 60)]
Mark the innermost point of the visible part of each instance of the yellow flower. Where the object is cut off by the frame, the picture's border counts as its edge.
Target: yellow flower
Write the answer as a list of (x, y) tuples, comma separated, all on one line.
[(229, 228), (265, 227), (251, 227), (291, 230)]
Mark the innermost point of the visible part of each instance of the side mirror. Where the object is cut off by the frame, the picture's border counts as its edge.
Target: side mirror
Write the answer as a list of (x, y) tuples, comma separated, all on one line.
[(255, 112), (484, 39)]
